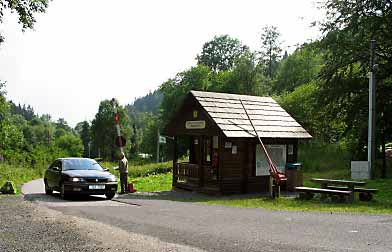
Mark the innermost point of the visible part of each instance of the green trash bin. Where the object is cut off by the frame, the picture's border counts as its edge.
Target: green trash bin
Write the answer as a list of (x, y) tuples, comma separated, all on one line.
[(294, 175)]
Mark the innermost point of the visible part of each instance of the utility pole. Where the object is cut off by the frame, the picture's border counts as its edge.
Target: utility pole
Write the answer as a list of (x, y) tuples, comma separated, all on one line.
[(372, 111)]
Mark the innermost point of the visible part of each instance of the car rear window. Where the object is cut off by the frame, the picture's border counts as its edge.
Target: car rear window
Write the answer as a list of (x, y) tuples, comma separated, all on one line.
[(81, 164)]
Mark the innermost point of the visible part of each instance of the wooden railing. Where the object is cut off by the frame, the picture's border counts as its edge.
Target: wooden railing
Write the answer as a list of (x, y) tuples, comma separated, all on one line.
[(187, 171)]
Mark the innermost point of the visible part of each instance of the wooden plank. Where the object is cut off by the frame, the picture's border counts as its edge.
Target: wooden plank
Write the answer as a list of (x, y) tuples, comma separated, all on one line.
[(227, 96), (321, 190), (222, 121), (221, 104), (338, 182), (218, 102), (285, 118), (262, 112), (274, 128), (188, 178), (356, 189), (239, 134)]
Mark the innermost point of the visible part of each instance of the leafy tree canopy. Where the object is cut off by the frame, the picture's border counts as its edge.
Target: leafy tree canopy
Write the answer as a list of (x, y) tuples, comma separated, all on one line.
[(270, 49), (221, 52), (25, 9), (349, 29)]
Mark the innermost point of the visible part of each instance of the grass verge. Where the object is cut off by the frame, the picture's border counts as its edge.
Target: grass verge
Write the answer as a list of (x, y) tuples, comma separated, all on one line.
[(20, 174)]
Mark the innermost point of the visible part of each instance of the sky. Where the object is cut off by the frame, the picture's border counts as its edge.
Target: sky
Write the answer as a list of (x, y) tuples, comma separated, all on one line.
[(83, 52)]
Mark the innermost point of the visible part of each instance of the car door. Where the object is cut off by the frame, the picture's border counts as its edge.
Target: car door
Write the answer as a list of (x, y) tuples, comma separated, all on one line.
[(53, 173), (49, 175), (57, 174)]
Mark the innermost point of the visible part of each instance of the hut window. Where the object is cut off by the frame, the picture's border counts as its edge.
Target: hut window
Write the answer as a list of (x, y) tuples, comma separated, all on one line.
[(277, 154), (207, 149), (215, 142)]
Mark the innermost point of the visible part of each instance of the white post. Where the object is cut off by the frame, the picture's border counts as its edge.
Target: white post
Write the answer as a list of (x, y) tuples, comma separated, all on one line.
[(372, 112)]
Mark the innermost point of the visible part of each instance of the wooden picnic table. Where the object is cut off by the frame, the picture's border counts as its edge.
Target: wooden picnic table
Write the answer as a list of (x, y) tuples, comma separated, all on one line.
[(350, 184)]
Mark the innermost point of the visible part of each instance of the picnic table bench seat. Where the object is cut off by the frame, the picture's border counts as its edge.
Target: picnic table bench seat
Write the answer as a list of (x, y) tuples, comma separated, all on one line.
[(308, 192), (365, 194)]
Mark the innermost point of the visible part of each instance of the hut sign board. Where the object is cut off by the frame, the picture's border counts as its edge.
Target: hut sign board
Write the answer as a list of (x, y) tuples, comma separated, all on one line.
[(278, 156), (195, 124)]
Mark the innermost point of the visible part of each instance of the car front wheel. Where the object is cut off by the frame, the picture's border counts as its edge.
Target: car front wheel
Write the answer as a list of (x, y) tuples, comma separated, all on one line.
[(48, 191), (109, 195), (62, 191)]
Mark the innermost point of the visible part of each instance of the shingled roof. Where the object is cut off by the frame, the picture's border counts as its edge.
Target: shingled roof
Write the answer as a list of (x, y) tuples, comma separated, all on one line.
[(268, 117)]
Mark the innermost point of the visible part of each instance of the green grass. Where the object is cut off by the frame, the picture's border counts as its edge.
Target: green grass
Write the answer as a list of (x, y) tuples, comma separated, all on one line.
[(20, 174), (150, 177), (153, 183), (135, 171)]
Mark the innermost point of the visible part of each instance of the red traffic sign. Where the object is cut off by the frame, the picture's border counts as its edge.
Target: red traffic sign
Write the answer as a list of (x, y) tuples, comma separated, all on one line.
[(120, 141), (116, 118)]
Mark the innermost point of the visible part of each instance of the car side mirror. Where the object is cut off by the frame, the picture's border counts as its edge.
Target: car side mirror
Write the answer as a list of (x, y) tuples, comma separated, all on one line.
[(56, 168), (105, 169)]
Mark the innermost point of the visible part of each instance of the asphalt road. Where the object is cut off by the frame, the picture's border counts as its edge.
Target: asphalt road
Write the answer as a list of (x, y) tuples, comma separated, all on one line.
[(220, 228)]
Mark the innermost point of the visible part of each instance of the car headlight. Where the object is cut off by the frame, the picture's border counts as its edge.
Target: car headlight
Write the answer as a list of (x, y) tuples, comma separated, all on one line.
[(76, 179), (112, 178)]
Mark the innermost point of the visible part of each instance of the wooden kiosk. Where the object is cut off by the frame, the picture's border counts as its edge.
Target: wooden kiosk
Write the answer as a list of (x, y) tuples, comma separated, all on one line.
[(224, 153)]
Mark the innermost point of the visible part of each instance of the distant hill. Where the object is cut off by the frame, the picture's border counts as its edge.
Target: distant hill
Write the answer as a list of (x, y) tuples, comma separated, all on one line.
[(149, 103)]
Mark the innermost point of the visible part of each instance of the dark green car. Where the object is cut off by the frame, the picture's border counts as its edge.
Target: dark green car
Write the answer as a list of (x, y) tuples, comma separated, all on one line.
[(83, 176)]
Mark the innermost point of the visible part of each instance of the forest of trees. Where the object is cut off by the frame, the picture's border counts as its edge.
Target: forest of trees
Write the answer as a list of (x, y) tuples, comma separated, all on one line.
[(322, 84)]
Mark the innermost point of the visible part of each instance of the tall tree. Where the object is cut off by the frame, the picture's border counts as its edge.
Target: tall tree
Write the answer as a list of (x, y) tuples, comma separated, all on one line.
[(298, 68), (349, 29), (103, 131), (83, 130), (270, 49), (174, 90), (220, 53)]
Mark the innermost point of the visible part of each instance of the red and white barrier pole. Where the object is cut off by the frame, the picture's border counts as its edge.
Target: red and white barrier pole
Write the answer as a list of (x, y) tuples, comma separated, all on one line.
[(117, 123)]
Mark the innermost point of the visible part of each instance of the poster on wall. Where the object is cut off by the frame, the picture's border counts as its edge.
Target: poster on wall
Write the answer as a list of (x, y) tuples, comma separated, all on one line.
[(277, 153)]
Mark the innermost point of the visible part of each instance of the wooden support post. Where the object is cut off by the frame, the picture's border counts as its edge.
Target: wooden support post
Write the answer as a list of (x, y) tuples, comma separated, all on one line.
[(220, 163), (175, 159), (201, 161)]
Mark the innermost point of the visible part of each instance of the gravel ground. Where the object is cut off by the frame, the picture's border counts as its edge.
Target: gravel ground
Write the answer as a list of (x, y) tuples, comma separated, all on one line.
[(26, 226)]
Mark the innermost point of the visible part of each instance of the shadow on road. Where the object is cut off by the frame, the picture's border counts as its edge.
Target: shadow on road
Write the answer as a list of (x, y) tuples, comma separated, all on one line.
[(187, 196), (42, 197)]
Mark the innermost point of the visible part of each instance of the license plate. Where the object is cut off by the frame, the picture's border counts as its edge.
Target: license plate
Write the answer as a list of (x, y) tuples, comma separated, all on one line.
[(96, 187)]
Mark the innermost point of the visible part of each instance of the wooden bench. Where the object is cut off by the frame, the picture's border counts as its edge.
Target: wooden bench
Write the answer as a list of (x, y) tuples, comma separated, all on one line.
[(349, 184), (365, 194), (308, 193)]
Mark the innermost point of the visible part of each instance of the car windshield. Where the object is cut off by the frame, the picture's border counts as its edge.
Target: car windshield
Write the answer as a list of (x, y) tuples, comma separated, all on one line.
[(81, 164)]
